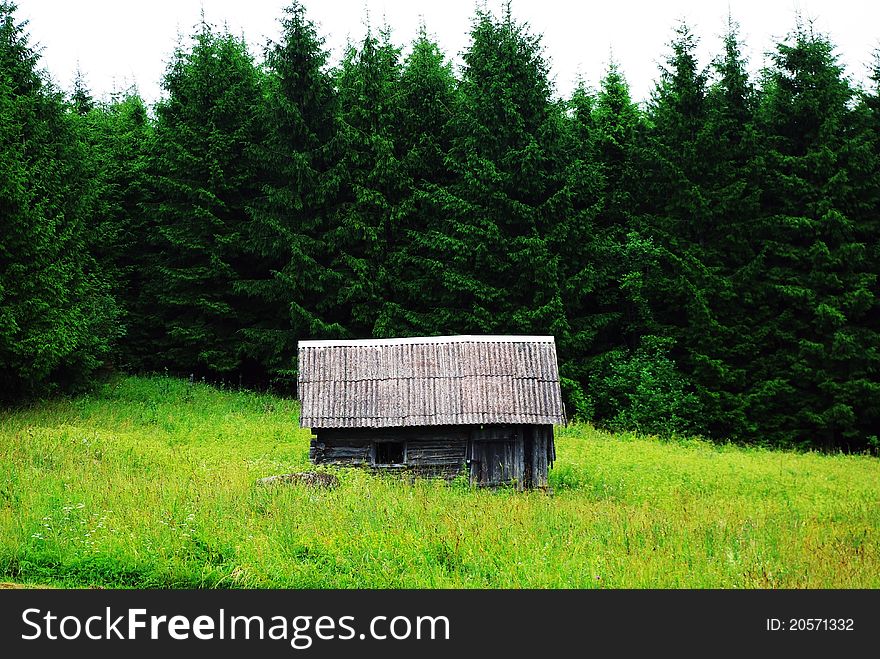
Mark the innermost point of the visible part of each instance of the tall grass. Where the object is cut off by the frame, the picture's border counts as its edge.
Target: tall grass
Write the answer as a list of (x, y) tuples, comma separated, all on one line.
[(151, 483)]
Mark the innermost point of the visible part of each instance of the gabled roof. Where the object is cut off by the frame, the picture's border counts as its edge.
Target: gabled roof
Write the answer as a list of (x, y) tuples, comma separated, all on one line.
[(427, 381)]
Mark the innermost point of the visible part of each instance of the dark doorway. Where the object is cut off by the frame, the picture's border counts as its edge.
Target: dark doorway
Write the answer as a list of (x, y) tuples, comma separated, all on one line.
[(528, 457), (493, 463)]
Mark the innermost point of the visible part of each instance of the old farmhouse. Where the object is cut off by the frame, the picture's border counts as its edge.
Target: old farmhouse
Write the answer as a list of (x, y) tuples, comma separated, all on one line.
[(482, 405)]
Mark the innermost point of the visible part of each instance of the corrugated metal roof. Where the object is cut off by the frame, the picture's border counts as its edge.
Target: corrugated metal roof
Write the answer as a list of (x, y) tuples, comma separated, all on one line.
[(427, 381)]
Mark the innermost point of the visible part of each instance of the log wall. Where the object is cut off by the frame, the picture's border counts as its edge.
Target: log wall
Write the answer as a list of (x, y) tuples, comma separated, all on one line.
[(491, 455)]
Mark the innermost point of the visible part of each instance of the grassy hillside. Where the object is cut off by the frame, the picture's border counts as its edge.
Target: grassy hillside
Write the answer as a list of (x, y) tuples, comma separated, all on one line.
[(151, 484)]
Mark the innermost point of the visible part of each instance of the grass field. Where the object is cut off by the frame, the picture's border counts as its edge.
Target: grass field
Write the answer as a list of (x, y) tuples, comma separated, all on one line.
[(150, 483)]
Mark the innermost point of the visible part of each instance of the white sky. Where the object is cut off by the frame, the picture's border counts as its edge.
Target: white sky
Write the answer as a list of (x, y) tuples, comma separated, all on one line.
[(120, 42)]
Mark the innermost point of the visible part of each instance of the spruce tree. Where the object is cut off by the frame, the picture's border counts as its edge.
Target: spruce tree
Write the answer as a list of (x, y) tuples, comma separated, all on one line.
[(815, 377), (57, 319), (116, 134), (703, 179), (731, 186), (364, 228), (202, 183), (499, 276), (576, 243), (630, 381), (297, 161), (427, 98), (81, 97), (866, 215), (678, 115)]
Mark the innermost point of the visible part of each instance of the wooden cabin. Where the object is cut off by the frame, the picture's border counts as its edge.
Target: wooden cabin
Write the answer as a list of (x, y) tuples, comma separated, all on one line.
[(441, 406)]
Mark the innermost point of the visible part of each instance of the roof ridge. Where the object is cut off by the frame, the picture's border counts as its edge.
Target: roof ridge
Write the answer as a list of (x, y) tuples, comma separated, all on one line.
[(416, 340)]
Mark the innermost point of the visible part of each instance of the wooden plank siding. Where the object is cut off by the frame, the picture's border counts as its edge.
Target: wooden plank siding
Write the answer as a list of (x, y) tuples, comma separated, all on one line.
[(433, 451), (492, 456)]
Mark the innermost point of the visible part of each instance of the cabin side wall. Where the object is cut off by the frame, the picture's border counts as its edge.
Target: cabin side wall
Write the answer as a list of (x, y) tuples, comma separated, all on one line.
[(491, 455), (429, 450)]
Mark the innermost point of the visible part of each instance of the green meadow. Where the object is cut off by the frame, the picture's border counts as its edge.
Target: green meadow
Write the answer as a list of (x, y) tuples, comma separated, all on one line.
[(150, 483)]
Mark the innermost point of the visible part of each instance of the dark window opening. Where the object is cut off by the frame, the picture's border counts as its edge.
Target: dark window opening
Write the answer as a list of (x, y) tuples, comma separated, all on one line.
[(389, 453)]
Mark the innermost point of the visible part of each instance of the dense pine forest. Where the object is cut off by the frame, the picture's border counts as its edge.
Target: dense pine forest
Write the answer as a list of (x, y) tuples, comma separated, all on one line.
[(707, 261)]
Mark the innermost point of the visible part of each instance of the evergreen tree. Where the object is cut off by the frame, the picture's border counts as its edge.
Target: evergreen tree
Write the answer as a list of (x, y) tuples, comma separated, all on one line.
[(298, 164), (678, 115), (575, 242), (364, 225), (202, 183), (815, 377), (629, 379), (866, 215), (116, 135), (81, 98), (499, 276), (867, 121), (730, 159), (703, 175), (57, 320), (427, 99), (620, 129), (730, 184)]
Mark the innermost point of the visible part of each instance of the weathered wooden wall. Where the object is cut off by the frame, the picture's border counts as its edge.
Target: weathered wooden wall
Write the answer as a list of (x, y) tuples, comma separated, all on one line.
[(540, 452), (430, 450), (521, 454), (492, 455)]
